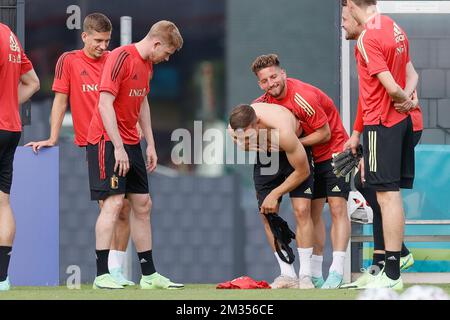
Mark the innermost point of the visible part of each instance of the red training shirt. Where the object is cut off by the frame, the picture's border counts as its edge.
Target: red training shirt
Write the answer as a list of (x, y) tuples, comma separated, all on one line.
[(126, 76), (382, 46), (314, 109), (78, 76), (13, 64)]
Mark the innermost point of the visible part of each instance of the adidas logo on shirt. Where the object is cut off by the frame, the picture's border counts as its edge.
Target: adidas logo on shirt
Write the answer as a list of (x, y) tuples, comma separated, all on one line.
[(308, 191), (336, 189), (84, 73)]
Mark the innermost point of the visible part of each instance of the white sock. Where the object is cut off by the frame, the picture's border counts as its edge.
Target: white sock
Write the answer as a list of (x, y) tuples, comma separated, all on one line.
[(116, 259), (305, 255), (285, 268), (338, 262), (316, 265)]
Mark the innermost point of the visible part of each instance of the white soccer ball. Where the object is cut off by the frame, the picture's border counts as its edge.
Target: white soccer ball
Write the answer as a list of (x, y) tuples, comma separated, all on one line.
[(424, 293), (378, 294)]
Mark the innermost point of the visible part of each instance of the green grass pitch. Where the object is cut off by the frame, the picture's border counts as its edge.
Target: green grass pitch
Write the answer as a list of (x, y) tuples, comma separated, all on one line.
[(191, 292)]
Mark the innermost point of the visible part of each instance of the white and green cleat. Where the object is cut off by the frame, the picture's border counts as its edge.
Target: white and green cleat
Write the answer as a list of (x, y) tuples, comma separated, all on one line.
[(117, 274), (157, 281), (362, 281), (106, 281), (406, 262), (5, 285), (334, 281), (318, 282), (381, 280)]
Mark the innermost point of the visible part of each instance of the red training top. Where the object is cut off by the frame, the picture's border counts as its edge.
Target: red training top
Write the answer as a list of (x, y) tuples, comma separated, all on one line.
[(13, 64), (126, 76), (382, 46), (314, 109), (78, 76)]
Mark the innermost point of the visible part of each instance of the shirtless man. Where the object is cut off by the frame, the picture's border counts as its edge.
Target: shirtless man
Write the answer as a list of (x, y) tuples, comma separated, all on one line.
[(273, 131)]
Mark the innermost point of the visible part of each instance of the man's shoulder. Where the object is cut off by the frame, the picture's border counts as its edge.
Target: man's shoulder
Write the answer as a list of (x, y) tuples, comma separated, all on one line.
[(68, 56), (301, 91)]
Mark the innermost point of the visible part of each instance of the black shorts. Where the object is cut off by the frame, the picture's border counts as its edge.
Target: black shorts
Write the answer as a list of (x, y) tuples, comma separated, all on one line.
[(104, 182), (264, 184), (389, 156), (326, 184), (359, 184), (8, 145)]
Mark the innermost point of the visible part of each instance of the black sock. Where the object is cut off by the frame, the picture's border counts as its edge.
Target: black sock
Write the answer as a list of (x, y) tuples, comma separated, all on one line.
[(392, 268), (378, 261), (5, 255), (146, 260), (404, 251), (102, 261)]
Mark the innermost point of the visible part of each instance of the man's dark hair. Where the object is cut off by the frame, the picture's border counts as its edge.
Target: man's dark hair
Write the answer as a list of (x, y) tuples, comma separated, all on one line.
[(242, 116), (265, 61), (97, 22)]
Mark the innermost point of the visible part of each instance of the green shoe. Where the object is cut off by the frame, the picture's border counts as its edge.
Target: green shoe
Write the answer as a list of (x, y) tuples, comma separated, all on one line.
[(362, 281), (117, 274), (406, 262), (318, 282), (157, 281), (5, 285), (106, 281), (333, 281), (383, 281)]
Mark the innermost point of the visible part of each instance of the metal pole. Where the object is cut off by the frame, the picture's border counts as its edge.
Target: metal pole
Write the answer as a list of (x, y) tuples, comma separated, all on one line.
[(345, 112), (125, 30), (126, 38)]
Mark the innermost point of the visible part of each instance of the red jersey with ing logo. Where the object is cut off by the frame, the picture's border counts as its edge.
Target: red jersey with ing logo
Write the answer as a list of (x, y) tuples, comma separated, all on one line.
[(126, 76)]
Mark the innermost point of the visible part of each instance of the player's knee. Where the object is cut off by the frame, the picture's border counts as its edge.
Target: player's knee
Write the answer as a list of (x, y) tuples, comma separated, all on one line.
[(302, 212), (338, 210), (112, 205), (143, 209), (124, 214)]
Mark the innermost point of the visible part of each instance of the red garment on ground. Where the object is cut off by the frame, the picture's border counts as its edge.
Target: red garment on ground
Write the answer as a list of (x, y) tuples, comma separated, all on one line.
[(243, 282)]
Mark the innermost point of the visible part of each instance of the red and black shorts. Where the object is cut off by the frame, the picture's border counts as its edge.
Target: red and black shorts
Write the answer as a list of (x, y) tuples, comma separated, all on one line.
[(389, 156), (326, 184), (8, 145), (104, 182)]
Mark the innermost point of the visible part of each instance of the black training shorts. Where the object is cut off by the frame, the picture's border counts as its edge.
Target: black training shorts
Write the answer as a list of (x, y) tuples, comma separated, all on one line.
[(389, 156), (102, 179)]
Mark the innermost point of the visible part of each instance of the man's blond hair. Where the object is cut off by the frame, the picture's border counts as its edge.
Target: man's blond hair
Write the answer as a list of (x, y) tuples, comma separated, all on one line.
[(168, 33)]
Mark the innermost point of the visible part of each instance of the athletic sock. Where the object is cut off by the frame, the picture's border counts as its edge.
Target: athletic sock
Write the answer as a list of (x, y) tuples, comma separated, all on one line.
[(285, 268), (146, 260), (392, 268), (5, 255), (316, 265), (102, 261), (305, 255), (378, 262), (404, 251), (338, 262), (116, 259)]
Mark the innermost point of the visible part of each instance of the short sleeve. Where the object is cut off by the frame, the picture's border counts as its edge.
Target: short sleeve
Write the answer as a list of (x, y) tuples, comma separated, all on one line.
[(114, 71), (372, 53), (309, 110), (61, 82)]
